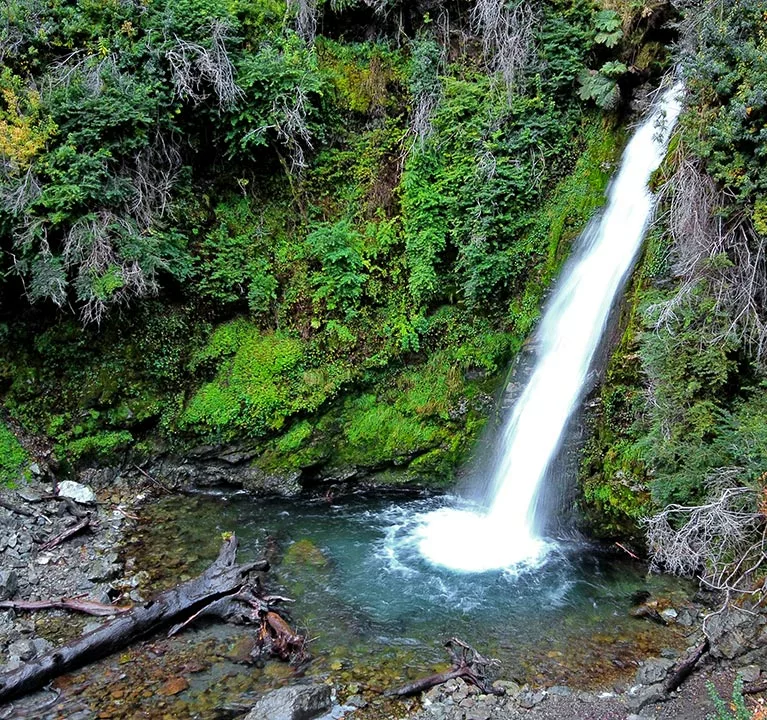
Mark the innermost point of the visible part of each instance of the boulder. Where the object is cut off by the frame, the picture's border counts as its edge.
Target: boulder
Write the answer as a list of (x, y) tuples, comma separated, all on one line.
[(750, 673), (76, 491), (645, 696), (735, 632), (298, 702), (653, 670)]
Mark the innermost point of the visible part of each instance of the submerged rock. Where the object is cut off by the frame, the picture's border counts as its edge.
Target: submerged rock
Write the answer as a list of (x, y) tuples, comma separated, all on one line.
[(300, 702)]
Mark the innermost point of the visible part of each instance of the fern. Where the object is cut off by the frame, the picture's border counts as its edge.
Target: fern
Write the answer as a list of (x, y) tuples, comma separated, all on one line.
[(741, 712)]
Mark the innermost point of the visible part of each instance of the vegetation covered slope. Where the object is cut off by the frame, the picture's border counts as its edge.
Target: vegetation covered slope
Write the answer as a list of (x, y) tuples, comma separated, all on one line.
[(318, 230)]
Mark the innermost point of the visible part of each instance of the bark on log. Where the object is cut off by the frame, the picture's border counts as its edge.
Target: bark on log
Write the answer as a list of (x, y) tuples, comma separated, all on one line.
[(69, 532), (683, 669), (89, 607), (221, 579), (467, 664)]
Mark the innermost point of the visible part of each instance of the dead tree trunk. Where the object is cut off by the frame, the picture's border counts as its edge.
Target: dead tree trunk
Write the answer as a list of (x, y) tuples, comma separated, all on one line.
[(223, 580), (467, 664)]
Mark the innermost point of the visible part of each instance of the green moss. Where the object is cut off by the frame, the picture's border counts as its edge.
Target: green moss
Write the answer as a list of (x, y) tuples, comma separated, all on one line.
[(564, 215), (375, 432), (304, 553), (13, 458), (102, 447), (261, 379)]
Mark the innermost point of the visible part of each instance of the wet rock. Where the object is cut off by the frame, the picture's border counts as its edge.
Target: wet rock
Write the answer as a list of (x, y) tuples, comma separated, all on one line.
[(509, 687), (9, 584), (750, 673), (669, 615), (356, 701), (653, 670), (76, 491), (300, 702)]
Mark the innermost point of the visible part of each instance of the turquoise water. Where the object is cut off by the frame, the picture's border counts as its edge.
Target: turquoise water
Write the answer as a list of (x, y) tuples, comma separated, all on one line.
[(358, 580), (376, 613)]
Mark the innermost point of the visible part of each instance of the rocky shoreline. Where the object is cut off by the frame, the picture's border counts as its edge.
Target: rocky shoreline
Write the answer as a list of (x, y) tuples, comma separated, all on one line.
[(88, 564)]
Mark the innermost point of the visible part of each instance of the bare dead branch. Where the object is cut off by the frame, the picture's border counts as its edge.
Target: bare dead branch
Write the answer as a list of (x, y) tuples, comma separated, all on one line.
[(197, 69), (306, 18), (507, 38), (723, 542)]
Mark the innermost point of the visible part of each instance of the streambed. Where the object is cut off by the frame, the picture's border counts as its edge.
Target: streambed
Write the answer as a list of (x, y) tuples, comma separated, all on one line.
[(376, 612)]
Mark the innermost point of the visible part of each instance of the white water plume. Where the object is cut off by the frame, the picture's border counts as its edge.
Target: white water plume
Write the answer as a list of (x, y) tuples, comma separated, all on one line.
[(503, 535)]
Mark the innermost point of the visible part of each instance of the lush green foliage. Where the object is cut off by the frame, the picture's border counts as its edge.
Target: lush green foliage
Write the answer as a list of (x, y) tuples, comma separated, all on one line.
[(13, 458), (350, 239)]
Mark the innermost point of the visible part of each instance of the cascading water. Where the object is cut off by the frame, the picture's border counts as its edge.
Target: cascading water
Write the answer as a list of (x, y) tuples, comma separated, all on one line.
[(502, 535)]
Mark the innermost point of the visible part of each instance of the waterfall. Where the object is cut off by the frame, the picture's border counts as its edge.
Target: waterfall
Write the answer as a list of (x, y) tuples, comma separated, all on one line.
[(502, 534)]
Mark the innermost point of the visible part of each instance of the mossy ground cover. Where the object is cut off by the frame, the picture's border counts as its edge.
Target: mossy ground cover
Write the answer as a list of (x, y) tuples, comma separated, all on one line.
[(14, 459)]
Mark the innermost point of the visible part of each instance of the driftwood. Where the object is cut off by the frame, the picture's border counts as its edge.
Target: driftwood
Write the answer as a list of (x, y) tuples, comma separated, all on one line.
[(69, 532), (755, 687), (467, 664), (89, 607), (222, 590), (683, 668), (16, 509)]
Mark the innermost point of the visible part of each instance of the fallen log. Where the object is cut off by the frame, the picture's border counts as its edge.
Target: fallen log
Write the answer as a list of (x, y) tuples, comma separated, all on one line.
[(467, 664), (219, 582), (69, 532), (426, 683), (753, 688), (16, 509), (684, 668), (89, 607)]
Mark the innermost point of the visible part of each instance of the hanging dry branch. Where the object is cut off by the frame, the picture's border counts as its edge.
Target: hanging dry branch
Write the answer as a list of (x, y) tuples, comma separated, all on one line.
[(306, 18), (716, 246), (722, 542), (507, 37), (197, 70)]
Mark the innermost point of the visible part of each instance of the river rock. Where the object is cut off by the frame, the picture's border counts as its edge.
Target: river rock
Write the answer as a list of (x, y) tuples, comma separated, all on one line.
[(299, 702), (733, 633), (9, 583), (22, 649), (645, 696), (750, 673), (669, 615), (529, 699), (76, 491), (653, 670)]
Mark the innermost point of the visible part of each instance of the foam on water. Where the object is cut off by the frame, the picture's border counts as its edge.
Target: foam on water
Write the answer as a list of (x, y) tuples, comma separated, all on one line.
[(502, 534)]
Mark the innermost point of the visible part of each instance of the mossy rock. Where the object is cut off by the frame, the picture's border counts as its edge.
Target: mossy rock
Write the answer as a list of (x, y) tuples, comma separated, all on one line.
[(304, 553)]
